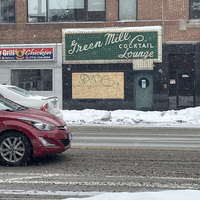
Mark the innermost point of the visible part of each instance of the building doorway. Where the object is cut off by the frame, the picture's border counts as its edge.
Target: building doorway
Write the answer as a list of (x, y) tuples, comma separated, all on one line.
[(143, 90), (181, 90), (181, 82)]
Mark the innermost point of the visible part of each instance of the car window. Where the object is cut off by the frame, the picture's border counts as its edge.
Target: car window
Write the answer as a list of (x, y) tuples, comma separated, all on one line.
[(22, 92), (7, 105)]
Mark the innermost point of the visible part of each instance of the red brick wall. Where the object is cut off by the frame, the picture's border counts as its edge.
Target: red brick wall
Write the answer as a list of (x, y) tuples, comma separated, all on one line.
[(111, 10), (150, 10), (20, 11), (175, 9), (168, 13)]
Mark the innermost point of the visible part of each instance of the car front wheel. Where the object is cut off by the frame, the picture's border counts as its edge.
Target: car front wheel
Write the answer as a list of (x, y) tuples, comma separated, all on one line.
[(15, 149)]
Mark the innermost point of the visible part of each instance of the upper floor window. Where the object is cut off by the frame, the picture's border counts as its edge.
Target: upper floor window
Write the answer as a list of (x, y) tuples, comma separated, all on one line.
[(194, 9), (7, 11), (66, 10), (127, 9)]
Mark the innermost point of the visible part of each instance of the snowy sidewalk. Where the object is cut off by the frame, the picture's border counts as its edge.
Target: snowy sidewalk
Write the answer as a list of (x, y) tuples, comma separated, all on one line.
[(165, 195)]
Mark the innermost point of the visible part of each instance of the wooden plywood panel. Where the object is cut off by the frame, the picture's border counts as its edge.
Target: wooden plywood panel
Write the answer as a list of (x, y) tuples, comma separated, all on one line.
[(98, 85)]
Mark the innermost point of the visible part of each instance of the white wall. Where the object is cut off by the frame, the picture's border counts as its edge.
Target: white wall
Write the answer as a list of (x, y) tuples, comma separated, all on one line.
[(5, 71)]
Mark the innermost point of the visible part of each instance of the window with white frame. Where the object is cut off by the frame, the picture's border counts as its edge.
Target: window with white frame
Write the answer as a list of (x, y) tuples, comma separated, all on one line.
[(194, 9), (127, 9), (37, 11), (66, 10), (7, 11), (32, 79)]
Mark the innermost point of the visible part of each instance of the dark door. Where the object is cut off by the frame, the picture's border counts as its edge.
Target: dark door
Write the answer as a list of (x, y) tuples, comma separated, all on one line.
[(181, 89)]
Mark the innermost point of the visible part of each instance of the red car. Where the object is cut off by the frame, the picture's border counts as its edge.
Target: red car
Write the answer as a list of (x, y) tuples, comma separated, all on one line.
[(27, 133)]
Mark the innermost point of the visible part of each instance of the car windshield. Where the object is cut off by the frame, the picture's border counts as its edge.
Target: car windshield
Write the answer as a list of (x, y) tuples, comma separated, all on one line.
[(10, 106), (7, 105), (22, 92)]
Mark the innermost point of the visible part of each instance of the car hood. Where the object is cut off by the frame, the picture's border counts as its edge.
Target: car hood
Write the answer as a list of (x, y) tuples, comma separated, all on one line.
[(37, 115)]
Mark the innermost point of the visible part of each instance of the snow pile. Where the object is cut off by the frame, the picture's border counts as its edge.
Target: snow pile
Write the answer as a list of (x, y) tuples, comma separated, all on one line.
[(188, 116), (165, 195)]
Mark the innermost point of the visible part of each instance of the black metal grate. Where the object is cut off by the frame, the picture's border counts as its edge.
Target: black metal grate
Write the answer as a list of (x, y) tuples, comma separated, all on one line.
[(65, 142)]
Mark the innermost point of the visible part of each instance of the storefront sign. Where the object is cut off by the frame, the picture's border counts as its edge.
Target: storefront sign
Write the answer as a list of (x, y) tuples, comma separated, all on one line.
[(112, 45), (26, 53), (98, 85)]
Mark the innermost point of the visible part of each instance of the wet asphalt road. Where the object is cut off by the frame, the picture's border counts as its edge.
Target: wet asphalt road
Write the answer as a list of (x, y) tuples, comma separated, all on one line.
[(108, 168), (131, 137)]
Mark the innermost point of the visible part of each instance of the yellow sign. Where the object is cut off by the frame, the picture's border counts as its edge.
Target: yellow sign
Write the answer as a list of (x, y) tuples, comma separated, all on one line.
[(98, 85)]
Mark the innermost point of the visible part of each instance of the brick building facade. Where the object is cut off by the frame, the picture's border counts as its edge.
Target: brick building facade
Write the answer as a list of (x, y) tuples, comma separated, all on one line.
[(175, 80)]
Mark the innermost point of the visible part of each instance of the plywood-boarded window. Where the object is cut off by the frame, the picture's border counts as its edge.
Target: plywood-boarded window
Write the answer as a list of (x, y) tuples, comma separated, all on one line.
[(98, 85)]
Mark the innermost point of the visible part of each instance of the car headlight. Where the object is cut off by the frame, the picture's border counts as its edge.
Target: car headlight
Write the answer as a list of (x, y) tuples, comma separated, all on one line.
[(39, 125)]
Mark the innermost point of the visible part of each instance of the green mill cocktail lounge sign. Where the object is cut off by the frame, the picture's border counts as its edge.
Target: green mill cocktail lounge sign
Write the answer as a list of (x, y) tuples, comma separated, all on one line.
[(141, 46)]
